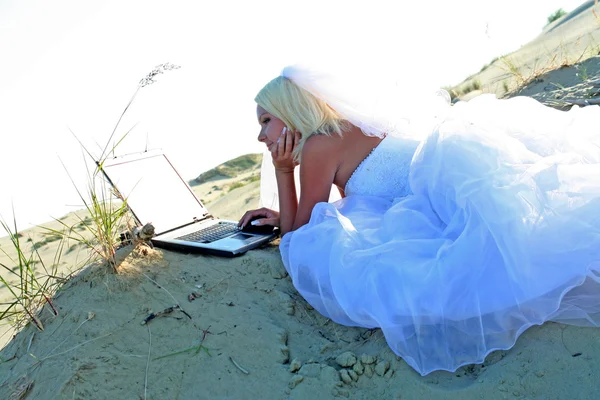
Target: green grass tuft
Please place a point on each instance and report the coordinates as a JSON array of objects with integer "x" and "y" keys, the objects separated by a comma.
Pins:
[
  {"x": 556, "y": 15},
  {"x": 30, "y": 288}
]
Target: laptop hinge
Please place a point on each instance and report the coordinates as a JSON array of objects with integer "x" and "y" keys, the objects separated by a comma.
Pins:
[{"x": 205, "y": 218}]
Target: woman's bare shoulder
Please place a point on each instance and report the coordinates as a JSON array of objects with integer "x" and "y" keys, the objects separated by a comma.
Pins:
[
  {"x": 319, "y": 144},
  {"x": 320, "y": 155}
]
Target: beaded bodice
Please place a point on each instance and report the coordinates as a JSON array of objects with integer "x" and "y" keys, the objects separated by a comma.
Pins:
[{"x": 384, "y": 172}]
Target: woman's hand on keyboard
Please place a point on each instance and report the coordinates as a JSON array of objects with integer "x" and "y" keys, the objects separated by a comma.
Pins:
[{"x": 261, "y": 216}]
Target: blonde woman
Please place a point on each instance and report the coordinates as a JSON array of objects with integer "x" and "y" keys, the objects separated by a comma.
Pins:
[{"x": 459, "y": 227}]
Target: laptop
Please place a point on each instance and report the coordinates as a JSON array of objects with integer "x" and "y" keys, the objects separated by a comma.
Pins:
[{"x": 156, "y": 193}]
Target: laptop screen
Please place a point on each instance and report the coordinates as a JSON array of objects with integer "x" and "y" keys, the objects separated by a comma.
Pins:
[{"x": 155, "y": 192}]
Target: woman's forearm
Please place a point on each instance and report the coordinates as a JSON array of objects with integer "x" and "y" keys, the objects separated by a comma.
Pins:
[{"x": 288, "y": 200}]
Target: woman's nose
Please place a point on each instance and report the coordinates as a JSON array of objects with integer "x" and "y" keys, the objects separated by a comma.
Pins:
[{"x": 261, "y": 137}]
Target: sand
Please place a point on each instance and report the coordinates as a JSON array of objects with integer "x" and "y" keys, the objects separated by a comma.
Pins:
[
  {"x": 98, "y": 347},
  {"x": 237, "y": 328},
  {"x": 565, "y": 41}
]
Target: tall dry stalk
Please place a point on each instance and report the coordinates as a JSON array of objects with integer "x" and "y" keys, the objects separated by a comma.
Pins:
[{"x": 107, "y": 210}]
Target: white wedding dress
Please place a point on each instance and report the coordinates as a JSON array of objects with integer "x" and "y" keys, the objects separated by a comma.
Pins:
[{"x": 455, "y": 244}]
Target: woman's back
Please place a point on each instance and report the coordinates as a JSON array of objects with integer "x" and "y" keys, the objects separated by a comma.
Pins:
[{"x": 384, "y": 172}]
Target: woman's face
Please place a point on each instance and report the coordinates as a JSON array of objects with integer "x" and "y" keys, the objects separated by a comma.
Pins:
[{"x": 270, "y": 127}]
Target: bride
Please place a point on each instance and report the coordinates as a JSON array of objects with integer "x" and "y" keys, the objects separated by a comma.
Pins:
[{"x": 458, "y": 227}]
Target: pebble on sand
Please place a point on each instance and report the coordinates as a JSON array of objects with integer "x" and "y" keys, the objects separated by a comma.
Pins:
[
  {"x": 296, "y": 379},
  {"x": 345, "y": 376},
  {"x": 358, "y": 368},
  {"x": 283, "y": 355},
  {"x": 367, "y": 359},
  {"x": 295, "y": 365},
  {"x": 346, "y": 359},
  {"x": 382, "y": 367},
  {"x": 353, "y": 375}
]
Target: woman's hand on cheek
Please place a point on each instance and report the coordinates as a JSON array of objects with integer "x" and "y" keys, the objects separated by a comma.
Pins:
[{"x": 282, "y": 150}]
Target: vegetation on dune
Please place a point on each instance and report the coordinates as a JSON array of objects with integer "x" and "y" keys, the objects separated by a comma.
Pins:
[
  {"x": 30, "y": 281},
  {"x": 229, "y": 169},
  {"x": 107, "y": 211},
  {"x": 49, "y": 238},
  {"x": 30, "y": 288},
  {"x": 473, "y": 85},
  {"x": 556, "y": 15},
  {"x": 244, "y": 182}
]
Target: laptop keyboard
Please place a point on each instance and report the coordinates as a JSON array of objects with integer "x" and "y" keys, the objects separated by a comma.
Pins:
[{"x": 212, "y": 233}]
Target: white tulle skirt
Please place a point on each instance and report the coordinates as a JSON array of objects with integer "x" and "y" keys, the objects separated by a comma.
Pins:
[{"x": 502, "y": 232}]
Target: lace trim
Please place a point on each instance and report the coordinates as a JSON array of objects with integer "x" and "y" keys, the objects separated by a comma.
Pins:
[{"x": 361, "y": 163}]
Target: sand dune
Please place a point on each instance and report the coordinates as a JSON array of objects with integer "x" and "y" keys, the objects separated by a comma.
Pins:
[
  {"x": 237, "y": 329},
  {"x": 575, "y": 36}
]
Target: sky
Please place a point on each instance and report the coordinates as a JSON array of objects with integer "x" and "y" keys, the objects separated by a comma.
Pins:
[{"x": 71, "y": 67}]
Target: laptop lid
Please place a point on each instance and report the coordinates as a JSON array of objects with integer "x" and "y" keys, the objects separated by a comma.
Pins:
[{"x": 154, "y": 190}]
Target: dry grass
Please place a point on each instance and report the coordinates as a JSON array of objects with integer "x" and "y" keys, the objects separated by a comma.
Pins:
[{"x": 108, "y": 214}]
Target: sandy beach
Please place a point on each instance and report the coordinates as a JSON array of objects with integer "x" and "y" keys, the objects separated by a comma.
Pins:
[{"x": 171, "y": 325}]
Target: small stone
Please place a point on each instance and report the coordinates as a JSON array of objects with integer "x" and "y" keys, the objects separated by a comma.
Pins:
[
  {"x": 286, "y": 302},
  {"x": 516, "y": 394},
  {"x": 342, "y": 393},
  {"x": 367, "y": 359},
  {"x": 346, "y": 359},
  {"x": 353, "y": 375},
  {"x": 311, "y": 370},
  {"x": 539, "y": 374},
  {"x": 329, "y": 374},
  {"x": 382, "y": 367},
  {"x": 368, "y": 370},
  {"x": 284, "y": 355},
  {"x": 345, "y": 376},
  {"x": 282, "y": 336},
  {"x": 296, "y": 379},
  {"x": 358, "y": 368},
  {"x": 295, "y": 365},
  {"x": 389, "y": 374}
]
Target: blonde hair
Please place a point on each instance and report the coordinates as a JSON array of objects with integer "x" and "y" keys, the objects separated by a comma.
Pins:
[{"x": 299, "y": 110}]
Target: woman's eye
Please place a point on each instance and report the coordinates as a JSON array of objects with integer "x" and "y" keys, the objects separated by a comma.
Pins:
[{"x": 266, "y": 120}]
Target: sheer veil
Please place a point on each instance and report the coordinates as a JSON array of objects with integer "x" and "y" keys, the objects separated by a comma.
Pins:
[{"x": 377, "y": 102}]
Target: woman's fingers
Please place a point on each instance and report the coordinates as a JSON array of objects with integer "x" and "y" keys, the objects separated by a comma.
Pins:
[
  {"x": 261, "y": 212},
  {"x": 289, "y": 142},
  {"x": 281, "y": 137},
  {"x": 248, "y": 216},
  {"x": 282, "y": 150},
  {"x": 286, "y": 143},
  {"x": 281, "y": 143},
  {"x": 265, "y": 221}
]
